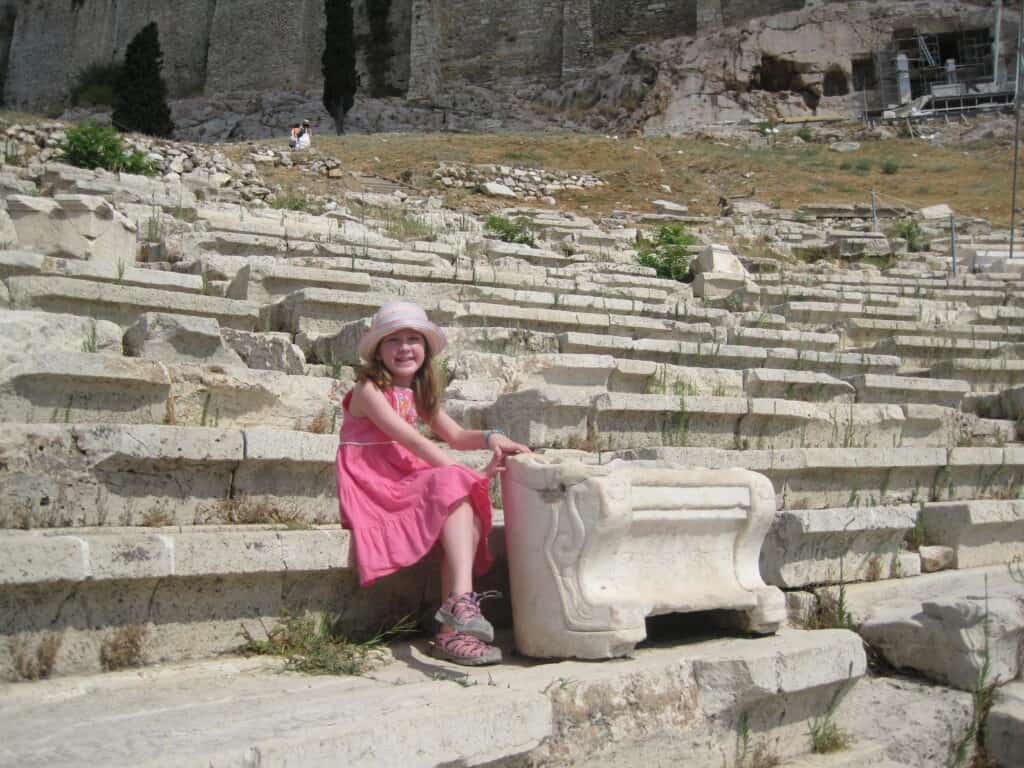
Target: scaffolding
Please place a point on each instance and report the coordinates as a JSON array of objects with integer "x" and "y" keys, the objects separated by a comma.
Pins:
[{"x": 938, "y": 72}]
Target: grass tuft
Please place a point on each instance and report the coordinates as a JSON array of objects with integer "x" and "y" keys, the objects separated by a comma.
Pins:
[
  {"x": 248, "y": 511},
  {"x": 123, "y": 649},
  {"x": 39, "y": 664},
  {"x": 310, "y": 645}
]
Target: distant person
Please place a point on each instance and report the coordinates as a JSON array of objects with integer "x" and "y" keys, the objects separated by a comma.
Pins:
[
  {"x": 400, "y": 494},
  {"x": 293, "y": 136},
  {"x": 305, "y": 136}
]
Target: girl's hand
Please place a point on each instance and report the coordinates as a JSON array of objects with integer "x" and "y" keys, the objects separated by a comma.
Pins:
[
  {"x": 502, "y": 446},
  {"x": 494, "y": 466}
]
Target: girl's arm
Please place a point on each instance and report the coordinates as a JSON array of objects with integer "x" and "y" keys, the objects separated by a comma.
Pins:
[
  {"x": 369, "y": 402},
  {"x": 460, "y": 439}
]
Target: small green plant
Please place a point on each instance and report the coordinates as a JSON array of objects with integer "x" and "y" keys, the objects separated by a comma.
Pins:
[
  {"x": 826, "y": 735},
  {"x": 668, "y": 252},
  {"x": 890, "y": 167},
  {"x": 981, "y": 702},
  {"x": 805, "y": 133},
  {"x": 511, "y": 231},
  {"x": 911, "y": 231},
  {"x": 310, "y": 644},
  {"x": 123, "y": 649},
  {"x": 91, "y": 145},
  {"x": 90, "y": 343},
  {"x": 760, "y": 756},
  {"x": 916, "y": 536},
  {"x": 401, "y": 226},
  {"x": 862, "y": 166}
]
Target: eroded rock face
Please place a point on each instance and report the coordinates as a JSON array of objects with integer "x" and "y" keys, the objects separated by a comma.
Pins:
[{"x": 658, "y": 67}]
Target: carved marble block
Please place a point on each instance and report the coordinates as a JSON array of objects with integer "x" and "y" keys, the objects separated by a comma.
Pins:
[{"x": 595, "y": 549}]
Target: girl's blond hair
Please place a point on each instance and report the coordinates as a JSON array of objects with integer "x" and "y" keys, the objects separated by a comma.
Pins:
[{"x": 425, "y": 387}]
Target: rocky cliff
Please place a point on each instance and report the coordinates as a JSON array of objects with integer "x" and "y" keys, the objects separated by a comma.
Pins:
[{"x": 630, "y": 63}]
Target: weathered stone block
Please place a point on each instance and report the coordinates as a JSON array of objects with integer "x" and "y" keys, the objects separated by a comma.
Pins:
[
  {"x": 178, "y": 338},
  {"x": 593, "y": 550},
  {"x": 977, "y": 532},
  {"x": 77, "y": 226}
]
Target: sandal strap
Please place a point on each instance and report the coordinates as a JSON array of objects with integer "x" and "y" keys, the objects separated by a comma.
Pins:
[{"x": 460, "y": 644}]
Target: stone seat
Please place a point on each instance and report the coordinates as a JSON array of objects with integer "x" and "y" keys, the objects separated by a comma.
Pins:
[
  {"x": 861, "y": 331},
  {"x": 925, "y": 350},
  {"x": 812, "y": 478},
  {"x": 593, "y": 550},
  {"x": 13, "y": 263},
  {"x": 825, "y": 312},
  {"x": 74, "y": 475},
  {"x": 1004, "y": 726},
  {"x": 123, "y": 304},
  {"x": 984, "y": 375},
  {"x": 875, "y": 388},
  {"x": 779, "y": 296},
  {"x": 979, "y": 532},
  {"x": 838, "y": 545},
  {"x": 717, "y": 355},
  {"x": 771, "y": 337},
  {"x": 74, "y": 386}
]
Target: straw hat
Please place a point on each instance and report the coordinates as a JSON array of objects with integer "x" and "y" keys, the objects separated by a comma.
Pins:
[{"x": 394, "y": 316}]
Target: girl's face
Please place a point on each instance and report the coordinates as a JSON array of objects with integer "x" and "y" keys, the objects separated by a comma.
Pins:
[{"x": 403, "y": 353}]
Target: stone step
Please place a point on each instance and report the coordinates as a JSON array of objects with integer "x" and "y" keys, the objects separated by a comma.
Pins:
[
  {"x": 225, "y": 712},
  {"x": 862, "y": 331},
  {"x": 22, "y": 263},
  {"x": 984, "y": 375},
  {"x": 838, "y": 312},
  {"x": 74, "y": 387},
  {"x": 875, "y": 388},
  {"x": 942, "y": 625},
  {"x": 796, "y": 385},
  {"x": 123, "y": 304},
  {"x": 979, "y": 533},
  {"x": 838, "y": 545},
  {"x": 926, "y": 351},
  {"x": 1004, "y": 726},
  {"x": 62, "y": 475},
  {"x": 713, "y": 354},
  {"x": 562, "y": 416},
  {"x": 786, "y": 294},
  {"x": 195, "y": 588},
  {"x": 771, "y": 337},
  {"x": 812, "y": 478},
  {"x": 861, "y": 755}
]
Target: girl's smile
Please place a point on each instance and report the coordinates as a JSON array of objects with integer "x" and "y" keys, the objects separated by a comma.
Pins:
[{"x": 402, "y": 353}]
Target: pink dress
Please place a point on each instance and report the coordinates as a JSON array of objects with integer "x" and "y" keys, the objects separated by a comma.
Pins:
[{"x": 394, "y": 502}]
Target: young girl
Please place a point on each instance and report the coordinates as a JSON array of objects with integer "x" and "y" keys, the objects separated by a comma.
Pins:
[{"x": 400, "y": 494}]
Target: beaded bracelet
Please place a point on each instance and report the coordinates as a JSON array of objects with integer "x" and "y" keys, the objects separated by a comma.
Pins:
[{"x": 488, "y": 433}]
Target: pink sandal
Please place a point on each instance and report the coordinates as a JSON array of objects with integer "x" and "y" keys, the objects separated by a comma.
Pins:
[
  {"x": 462, "y": 612},
  {"x": 464, "y": 649}
]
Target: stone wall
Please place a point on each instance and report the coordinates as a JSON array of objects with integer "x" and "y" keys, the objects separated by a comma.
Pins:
[{"x": 619, "y": 24}]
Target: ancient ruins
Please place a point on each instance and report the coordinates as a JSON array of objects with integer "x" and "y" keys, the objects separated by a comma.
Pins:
[{"x": 743, "y": 483}]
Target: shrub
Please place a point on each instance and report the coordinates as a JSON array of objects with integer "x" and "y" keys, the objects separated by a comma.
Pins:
[
  {"x": 890, "y": 167},
  {"x": 911, "y": 231},
  {"x": 509, "y": 231},
  {"x": 805, "y": 133},
  {"x": 141, "y": 91},
  {"x": 91, "y": 145},
  {"x": 667, "y": 253},
  {"x": 96, "y": 86}
]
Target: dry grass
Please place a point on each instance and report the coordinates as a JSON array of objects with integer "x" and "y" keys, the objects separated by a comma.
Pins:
[
  {"x": 323, "y": 423},
  {"x": 248, "y": 511},
  {"x": 157, "y": 518},
  {"x": 123, "y": 649},
  {"x": 972, "y": 178},
  {"x": 37, "y": 664}
]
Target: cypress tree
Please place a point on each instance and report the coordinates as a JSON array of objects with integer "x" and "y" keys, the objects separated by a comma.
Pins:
[
  {"x": 339, "y": 61},
  {"x": 141, "y": 92}
]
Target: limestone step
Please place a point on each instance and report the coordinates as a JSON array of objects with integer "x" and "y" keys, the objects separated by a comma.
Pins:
[
  {"x": 26, "y": 263},
  {"x": 232, "y": 711},
  {"x": 122, "y": 304},
  {"x": 195, "y": 588},
  {"x": 984, "y": 375},
  {"x": 837, "y": 312},
  {"x": 925, "y": 351},
  {"x": 786, "y": 295},
  {"x": 837, "y": 545},
  {"x": 980, "y": 533},
  {"x": 859, "y": 756},
  {"x": 563, "y": 416},
  {"x": 875, "y": 388},
  {"x": 63, "y": 475},
  {"x": 72, "y": 387},
  {"x": 812, "y": 478},
  {"x": 1004, "y": 726},
  {"x": 940, "y": 624},
  {"x": 862, "y": 331},
  {"x": 772, "y": 337}
]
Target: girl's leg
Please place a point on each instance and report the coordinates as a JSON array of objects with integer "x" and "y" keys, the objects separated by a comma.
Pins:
[{"x": 459, "y": 539}]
